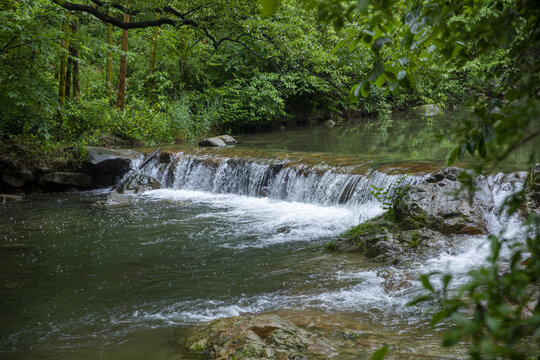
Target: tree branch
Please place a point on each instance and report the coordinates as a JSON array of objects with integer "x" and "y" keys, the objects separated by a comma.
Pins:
[{"x": 119, "y": 23}]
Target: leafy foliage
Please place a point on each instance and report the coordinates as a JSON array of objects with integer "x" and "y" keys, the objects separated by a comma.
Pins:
[{"x": 498, "y": 308}]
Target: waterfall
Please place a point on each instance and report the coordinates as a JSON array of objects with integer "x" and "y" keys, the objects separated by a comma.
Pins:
[{"x": 280, "y": 180}]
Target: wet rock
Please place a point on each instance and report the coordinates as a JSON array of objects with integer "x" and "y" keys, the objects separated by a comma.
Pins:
[
  {"x": 384, "y": 239},
  {"x": 5, "y": 198},
  {"x": 214, "y": 142},
  {"x": 14, "y": 173},
  {"x": 423, "y": 219},
  {"x": 228, "y": 139},
  {"x": 13, "y": 180},
  {"x": 62, "y": 180},
  {"x": 329, "y": 123},
  {"x": 137, "y": 184},
  {"x": 439, "y": 203},
  {"x": 256, "y": 337},
  {"x": 109, "y": 165}
]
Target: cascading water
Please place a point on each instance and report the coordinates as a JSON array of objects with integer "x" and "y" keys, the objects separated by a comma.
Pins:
[
  {"x": 224, "y": 236},
  {"x": 320, "y": 202},
  {"x": 272, "y": 179}
]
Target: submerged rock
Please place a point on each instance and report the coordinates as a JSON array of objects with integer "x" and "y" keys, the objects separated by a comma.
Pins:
[
  {"x": 137, "y": 184},
  {"x": 256, "y": 337},
  {"x": 65, "y": 180},
  {"x": 115, "y": 199}
]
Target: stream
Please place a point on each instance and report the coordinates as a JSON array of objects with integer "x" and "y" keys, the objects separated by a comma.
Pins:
[{"x": 233, "y": 231}]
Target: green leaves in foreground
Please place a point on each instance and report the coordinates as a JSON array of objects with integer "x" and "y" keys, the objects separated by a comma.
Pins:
[
  {"x": 498, "y": 309},
  {"x": 380, "y": 354}
]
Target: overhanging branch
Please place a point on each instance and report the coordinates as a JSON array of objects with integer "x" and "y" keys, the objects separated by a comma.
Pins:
[{"x": 119, "y": 23}]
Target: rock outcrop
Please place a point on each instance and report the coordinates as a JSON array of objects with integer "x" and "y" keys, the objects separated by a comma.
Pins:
[
  {"x": 256, "y": 337},
  {"x": 108, "y": 165},
  {"x": 421, "y": 220},
  {"x": 101, "y": 168},
  {"x": 440, "y": 204}
]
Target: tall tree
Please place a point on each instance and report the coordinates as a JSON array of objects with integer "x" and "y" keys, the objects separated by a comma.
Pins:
[
  {"x": 153, "y": 53},
  {"x": 108, "y": 71},
  {"x": 74, "y": 52},
  {"x": 64, "y": 59},
  {"x": 123, "y": 66}
]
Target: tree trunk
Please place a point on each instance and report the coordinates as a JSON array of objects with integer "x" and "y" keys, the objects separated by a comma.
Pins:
[
  {"x": 68, "y": 73},
  {"x": 154, "y": 48},
  {"x": 108, "y": 71},
  {"x": 123, "y": 66},
  {"x": 75, "y": 56},
  {"x": 64, "y": 60}
]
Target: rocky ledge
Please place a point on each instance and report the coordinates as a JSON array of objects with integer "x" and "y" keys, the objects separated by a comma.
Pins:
[
  {"x": 425, "y": 217},
  {"x": 102, "y": 167},
  {"x": 257, "y": 337}
]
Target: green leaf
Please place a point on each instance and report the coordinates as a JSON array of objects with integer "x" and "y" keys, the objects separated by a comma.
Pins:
[
  {"x": 355, "y": 91},
  {"x": 268, "y": 7},
  {"x": 401, "y": 74},
  {"x": 364, "y": 90},
  {"x": 438, "y": 317},
  {"x": 425, "y": 282},
  {"x": 380, "y": 354}
]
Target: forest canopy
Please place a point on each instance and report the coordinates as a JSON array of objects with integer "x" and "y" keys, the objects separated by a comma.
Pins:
[{"x": 92, "y": 72}]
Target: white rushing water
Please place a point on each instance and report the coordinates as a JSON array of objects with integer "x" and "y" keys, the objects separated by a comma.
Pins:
[{"x": 272, "y": 203}]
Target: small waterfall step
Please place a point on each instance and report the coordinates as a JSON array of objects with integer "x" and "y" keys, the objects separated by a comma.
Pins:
[{"x": 273, "y": 178}]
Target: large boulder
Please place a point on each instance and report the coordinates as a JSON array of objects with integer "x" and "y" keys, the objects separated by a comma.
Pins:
[
  {"x": 256, "y": 337},
  {"x": 14, "y": 173},
  {"x": 109, "y": 165},
  {"x": 65, "y": 180},
  {"x": 440, "y": 203},
  {"x": 423, "y": 219},
  {"x": 137, "y": 184}
]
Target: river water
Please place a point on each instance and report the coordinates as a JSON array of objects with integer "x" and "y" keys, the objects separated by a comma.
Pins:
[{"x": 234, "y": 231}]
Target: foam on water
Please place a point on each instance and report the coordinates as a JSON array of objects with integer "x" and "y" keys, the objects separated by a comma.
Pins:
[{"x": 271, "y": 221}]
